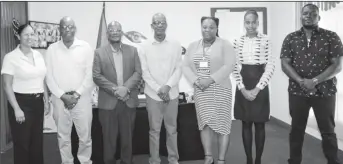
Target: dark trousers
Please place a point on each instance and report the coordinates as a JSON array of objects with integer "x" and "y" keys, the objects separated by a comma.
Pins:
[
  {"x": 324, "y": 110},
  {"x": 115, "y": 123},
  {"x": 28, "y": 136}
]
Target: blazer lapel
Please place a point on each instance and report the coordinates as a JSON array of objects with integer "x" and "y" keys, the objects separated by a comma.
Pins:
[{"x": 110, "y": 57}]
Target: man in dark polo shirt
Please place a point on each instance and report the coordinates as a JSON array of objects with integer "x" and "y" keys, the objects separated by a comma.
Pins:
[{"x": 311, "y": 57}]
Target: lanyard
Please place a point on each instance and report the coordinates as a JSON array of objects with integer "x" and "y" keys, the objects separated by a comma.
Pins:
[{"x": 203, "y": 48}]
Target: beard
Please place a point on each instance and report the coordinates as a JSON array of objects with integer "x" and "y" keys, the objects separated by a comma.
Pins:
[
  {"x": 310, "y": 27},
  {"x": 114, "y": 41}
]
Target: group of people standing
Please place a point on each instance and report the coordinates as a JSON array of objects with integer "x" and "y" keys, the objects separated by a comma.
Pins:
[{"x": 311, "y": 57}]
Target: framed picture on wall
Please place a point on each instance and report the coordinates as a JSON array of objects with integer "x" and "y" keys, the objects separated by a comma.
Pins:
[
  {"x": 45, "y": 34},
  {"x": 231, "y": 21}
]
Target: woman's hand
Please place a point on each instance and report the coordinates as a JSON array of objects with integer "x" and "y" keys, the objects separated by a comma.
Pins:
[
  {"x": 205, "y": 83},
  {"x": 19, "y": 116},
  {"x": 197, "y": 84},
  {"x": 248, "y": 94},
  {"x": 47, "y": 108}
]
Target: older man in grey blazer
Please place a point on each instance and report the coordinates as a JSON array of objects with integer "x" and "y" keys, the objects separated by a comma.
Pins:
[{"x": 117, "y": 72}]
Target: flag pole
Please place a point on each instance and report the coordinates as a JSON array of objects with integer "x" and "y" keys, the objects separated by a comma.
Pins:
[{"x": 103, "y": 9}]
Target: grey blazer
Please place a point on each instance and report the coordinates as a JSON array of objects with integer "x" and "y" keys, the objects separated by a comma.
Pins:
[{"x": 104, "y": 75}]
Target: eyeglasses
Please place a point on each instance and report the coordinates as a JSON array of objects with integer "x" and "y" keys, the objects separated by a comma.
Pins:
[
  {"x": 69, "y": 27},
  {"x": 156, "y": 23},
  {"x": 114, "y": 31}
]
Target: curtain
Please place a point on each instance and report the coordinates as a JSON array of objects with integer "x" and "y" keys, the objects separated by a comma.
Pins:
[
  {"x": 322, "y": 5},
  {"x": 9, "y": 10}
]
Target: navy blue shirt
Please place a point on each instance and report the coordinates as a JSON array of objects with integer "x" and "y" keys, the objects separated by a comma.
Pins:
[{"x": 309, "y": 59}]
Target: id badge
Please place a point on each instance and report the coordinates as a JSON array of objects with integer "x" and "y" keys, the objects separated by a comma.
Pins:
[{"x": 203, "y": 64}]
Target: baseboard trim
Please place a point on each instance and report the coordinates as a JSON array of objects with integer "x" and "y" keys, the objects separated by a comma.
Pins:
[{"x": 287, "y": 126}]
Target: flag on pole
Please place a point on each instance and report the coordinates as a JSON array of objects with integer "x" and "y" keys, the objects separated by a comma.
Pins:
[
  {"x": 102, "y": 38},
  {"x": 102, "y": 41}
]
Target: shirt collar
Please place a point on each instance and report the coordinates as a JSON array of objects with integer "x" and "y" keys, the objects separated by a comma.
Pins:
[
  {"x": 259, "y": 35},
  {"x": 76, "y": 42},
  {"x": 115, "y": 51},
  {"x": 315, "y": 30},
  {"x": 154, "y": 41},
  {"x": 19, "y": 51}
]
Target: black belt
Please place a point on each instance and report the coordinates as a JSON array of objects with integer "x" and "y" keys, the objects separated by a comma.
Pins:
[{"x": 33, "y": 95}]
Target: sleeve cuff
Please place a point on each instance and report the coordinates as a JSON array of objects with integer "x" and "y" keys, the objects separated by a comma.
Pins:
[
  {"x": 240, "y": 86},
  {"x": 79, "y": 91},
  {"x": 260, "y": 86},
  {"x": 169, "y": 84},
  {"x": 7, "y": 72},
  {"x": 59, "y": 94}
]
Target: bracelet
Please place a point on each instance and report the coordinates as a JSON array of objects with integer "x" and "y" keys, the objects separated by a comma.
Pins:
[{"x": 315, "y": 81}]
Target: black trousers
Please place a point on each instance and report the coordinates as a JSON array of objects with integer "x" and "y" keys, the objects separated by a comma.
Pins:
[
  {"x": 28, "y": 136},
  {"x": 324, "y": 111},
  {"x": 115, "y": 123}
]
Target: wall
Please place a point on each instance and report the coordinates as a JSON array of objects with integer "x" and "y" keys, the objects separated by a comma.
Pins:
[
  {"x": 283, "y": 15},
  {"x": 183, "y": 17},
  {"x": 183, "y": 24}
]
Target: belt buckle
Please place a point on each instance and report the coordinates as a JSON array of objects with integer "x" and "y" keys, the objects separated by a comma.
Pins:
[{"x": 37, "y": 95}]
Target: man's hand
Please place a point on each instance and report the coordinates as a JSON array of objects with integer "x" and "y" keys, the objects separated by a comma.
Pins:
[
  {"x": 205, "y": 83},
  {"x": 163, "y": 93},
  {"x": 76, "y": 95},
  {"x": 309, "y": 84},
  {"x": 69, "y": 101},
  {"x": 121, "y": 91},
  {"x": 127, "y": 97},
  {"x": 165, "y": 98},
  {"x": 248, "y": 94},
  {"x": 164, "y": 89}
]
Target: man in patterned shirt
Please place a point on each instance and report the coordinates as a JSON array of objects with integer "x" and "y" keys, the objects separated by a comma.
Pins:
[{"x": 311, "y": 57}]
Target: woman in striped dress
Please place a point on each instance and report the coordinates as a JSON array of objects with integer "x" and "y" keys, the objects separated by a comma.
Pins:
[
  {"x": 207, "y": 65},
  {"x": 253, "y": 71}
]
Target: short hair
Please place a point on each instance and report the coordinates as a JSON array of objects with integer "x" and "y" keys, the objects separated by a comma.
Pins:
[
  {"x": 254, "y": 12},
  {"x": 311, "y": 5},
  {"x": 216, "y": 21}
]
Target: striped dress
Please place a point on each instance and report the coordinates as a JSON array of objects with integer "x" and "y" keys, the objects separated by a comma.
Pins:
[{"x": 213, "y": 105}]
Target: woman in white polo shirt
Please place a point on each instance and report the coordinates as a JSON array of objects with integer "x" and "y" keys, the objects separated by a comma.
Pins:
[{"x": 23, "y": 71}]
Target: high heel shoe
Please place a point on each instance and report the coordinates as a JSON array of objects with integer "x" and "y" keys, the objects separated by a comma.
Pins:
[{"x": 209, "y": 156}]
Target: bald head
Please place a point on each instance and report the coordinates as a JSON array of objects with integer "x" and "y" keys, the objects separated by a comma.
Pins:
[
  {"x": 159, "y": 17},
  {"x": 115, "y": 25},
  {"x": 67, "y": 29},
  {"x": 66, "y": 20},
  {"x": 114, "y": 32},
  {"x": 159, "y": 24}
]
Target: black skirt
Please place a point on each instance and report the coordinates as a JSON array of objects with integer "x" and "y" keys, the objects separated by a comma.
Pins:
[{"x": 258, "y": 109}]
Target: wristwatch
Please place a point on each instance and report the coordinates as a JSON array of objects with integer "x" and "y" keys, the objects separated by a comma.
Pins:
[
  {"x": 315, "y": 81},
  {"x": 77, "y": 95}
]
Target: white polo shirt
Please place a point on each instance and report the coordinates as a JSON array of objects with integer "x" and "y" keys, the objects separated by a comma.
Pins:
[{"x": 27, "y": 78}]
